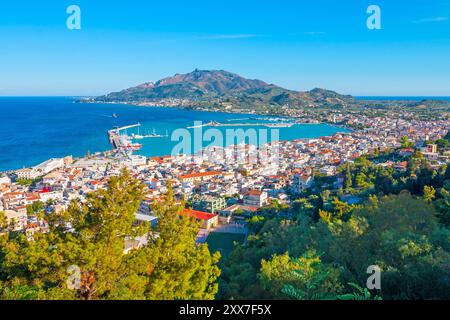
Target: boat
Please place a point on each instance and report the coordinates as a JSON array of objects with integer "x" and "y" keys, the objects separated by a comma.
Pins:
[
  {"x": 137, "y": 136},
  {"x": 279, "y": 125},
  {"x": 151, "y": 135},
  {"x": 114, "y": 115}
]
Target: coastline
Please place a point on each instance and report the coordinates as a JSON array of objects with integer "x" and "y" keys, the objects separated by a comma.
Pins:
[
  {"x": 233, "y": 111},
  {"x": 24, "y": 163}
]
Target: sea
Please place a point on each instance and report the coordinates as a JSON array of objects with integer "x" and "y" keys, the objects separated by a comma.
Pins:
[
  {"x": 402, "y": 98},
  {"x": 35, "y": 129}
]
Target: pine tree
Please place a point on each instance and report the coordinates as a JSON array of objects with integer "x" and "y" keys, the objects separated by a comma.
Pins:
[
  {"x": 94, "y": 247},
  {"x": 348, "y": 178},
  {"x": 83, "y": 257},
  {"x": 182, "y": 269}
]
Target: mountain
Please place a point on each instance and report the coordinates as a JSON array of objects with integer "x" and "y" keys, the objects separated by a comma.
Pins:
[{"x": 222, "y": 89}]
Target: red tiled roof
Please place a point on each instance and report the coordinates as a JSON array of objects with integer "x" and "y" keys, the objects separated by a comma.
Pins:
[
  {"x": 161, "y": 159},
  {"x": 200, "y": 174},
  {"x": 33, "y": 197},
  {"x": 254, "y": 193},
  {"x": 198, "y": 214}
]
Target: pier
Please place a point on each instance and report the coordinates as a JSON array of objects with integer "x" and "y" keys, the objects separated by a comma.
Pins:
[{"x": 122, "y": 142}]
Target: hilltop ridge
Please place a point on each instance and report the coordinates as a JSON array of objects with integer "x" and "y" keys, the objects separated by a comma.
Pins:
[{"x": 222, "y": 89}]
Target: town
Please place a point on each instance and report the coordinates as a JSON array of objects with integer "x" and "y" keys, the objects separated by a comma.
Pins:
[{"x": 220, "y": 194}]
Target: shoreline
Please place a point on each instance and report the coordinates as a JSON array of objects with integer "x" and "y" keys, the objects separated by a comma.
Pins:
[
  {"x": 190, "y": 108},
  {"x": 234, "y": 111},
  {"x": 9, "y": 171}
]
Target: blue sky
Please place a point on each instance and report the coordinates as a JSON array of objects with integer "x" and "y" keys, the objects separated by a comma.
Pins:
[{"x": 297, "y": 44}]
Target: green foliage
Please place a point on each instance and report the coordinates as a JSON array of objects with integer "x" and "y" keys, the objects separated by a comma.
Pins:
[
  {"x": 443, "y": 205},
  {"x": 304, "y": 278},
  {"x": 358, "y": 294},
  {"x": 400, "y": 234},
  {"x": 27, "y": 182},
  {"x": 180, "y": 268},
  {"x": 447, "y": 136},
  {"x": 402, "y": 227},
  {"x": 171, "y": 266},
  {"x": 429, "y": 193},
  {"x": 442, "y": 144},
  {"x": 35, "y": 208},
  {"x": 406, "y": 143},
  {"x": 348, "y": 183},
  {"x": 96, "y": 246},
  {"x": 255, "y": 223}
]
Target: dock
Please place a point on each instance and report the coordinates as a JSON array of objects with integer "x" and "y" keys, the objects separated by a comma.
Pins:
[{"x": 122, "y": 142}]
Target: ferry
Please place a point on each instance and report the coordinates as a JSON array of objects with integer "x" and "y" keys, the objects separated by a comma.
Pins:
[{"x": 126, "y": 144}]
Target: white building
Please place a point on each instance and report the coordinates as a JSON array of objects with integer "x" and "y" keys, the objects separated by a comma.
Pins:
[
  {"x": 27, "y": 173},
  {"x": 49, "y": 165},
  {"x": 5, "y": 180},
  {"x": 301, "y": 182},
  {"x": 137, "y": 160},
  {"x": 255, "y": 198}
]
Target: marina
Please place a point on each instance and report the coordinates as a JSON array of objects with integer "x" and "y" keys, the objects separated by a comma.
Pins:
[
  {"x": 120, "y": 140},
  {"x": 139, "y": 136},
  {"x": 91, "y": 127},
  {"x": 123, "y": 142}
]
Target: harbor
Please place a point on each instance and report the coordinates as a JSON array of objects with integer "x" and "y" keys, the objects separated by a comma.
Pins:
[
  {"x": 123, "y": 142},
  {"x": 120, "y": 140},
  {"x": 85, "y": 127}
]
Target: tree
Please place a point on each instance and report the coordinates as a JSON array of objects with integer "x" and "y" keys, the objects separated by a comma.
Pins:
[
  {"x": 447, "y": 173},
  {"x": 357, "y": 294},
  {"x": 361, "y": 180},
  {"x": 325, "y": 195},
  {"x": 304, "y": 278},
  {"x": 384, "y": 182},
  {"x": 405, "y": 143},
  {"x": 181, "y": 269},
  {"x": 400, "y": 235},
  {"x": 341, "y": 208},
  {"x": 447, "y": 136},
  {"x": 83, "y": 255},
  {"x": 2, "y": 220},
  {"x": 348, "y": 178},
  {"x": 443, "y": 205},
  {"x": 429, "y": 193},
  {"x": 442, "y": 143},
  {"x": 94, "y": 246},
  {"x": 35, "y": 208},
  {"x": 255, "y": 223}
]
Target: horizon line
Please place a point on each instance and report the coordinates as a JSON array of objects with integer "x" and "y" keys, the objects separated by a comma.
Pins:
[{"x": 353, "y": 95}]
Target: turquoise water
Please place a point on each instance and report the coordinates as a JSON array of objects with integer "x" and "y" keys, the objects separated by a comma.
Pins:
[{"x": 34, "y": 129}]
